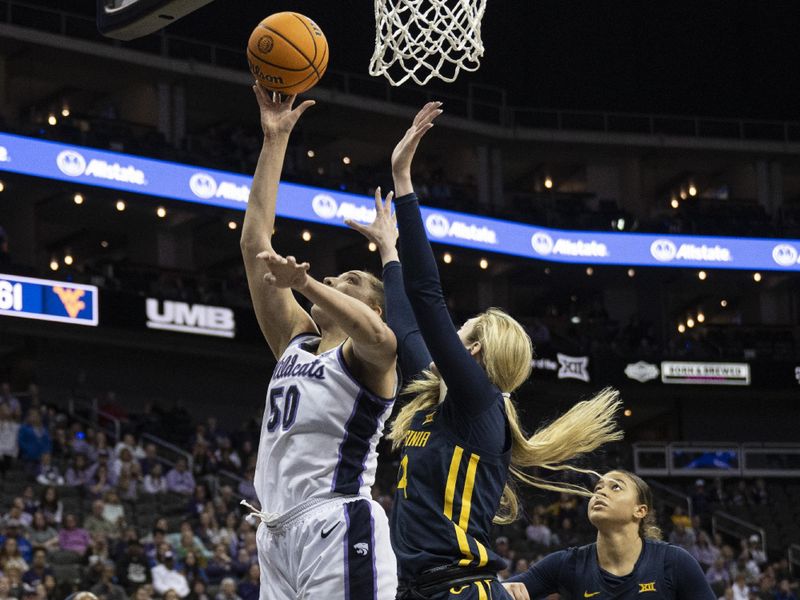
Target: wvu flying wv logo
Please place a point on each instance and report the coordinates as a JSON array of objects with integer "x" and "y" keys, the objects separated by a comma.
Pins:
[
  {"x": 647, "y": 587},
  {"x": 71, "y": 299}
]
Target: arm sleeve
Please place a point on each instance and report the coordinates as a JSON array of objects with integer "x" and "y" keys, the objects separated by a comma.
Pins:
[
  {"x": 541, "y": 579},
  {"x": 411, "y": 350},
  {"x": 465, "y": 378},
  {"x": 688, "y": 580}
]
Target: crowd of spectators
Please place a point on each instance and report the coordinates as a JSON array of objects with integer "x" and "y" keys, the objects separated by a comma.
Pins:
[{"x": 78, "y": 510}]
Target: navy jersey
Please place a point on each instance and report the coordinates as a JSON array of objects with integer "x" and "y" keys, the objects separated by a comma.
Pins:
[
  {"x": 663, "y": 571},
  {"x": 447, "y": 494},
  {"x": 455, "y": 455}
]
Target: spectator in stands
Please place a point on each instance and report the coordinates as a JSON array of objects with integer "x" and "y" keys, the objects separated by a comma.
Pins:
[
  {"x": 79, "y": 473},
  {"x": 113, "y": 511},
  {"x": 227, "y": 590},
  {"x": 185, "y": 541},
  {"x": 192, "y": 569},
  {"x": 48, "y": 473},
  {"x": 150, "y": 459},
  {"x": 102, "y": 450},
  {"x": 699, "y": 498},
  {"x": 198, "y": 501},
  {"x": 717, "y": 574},
  {"x": 199, "y": 591},
  {"x": 15, "y": 584},
  {"x": 42, "y": 534},
  {"x": 17, "y": 513},
  {"x": 127, "y": 487},
  {"x": 96, "y": 522},
  {"x": 207, "y": 529},
  {"x": 10, "y": 400},
  {"x": 14, "y": 532},
  {"x": 746, "y": 566},
  {"x": 220, "y": 565},
  {"x": 100, "y": 481},
  {"x": 132, "y": 568},
  {"x": 180, "y": 479},
  {"x": 785, "y": 591},
  {"x": 227, "y": 458},
  {"x": 682, "y": 536},
  {"x": 248, "y": 588},
  {"x": 167, "y": 577},
  {"x": 129, "y": 443},
  {"x": 9, "y": 439},
  {"x": 72, "y": 537},
  {"x": 106, "y": 588},
  {"x": 757, "y": 554},
  {"x": 759, "y": 492},
  {"x": 39, "y": 569},
  {"x": 154, "y": 481},
  {"x": 204, "y": 463},
  {"x": 717, "y": 496},
  {"x": 703, "y": 551},
  {"x": 34, "y": 439},
  {"x": 741, "y": 496},
  {"x": 124, "y": 459},
  {"x": 740, "y": 589},
  {"x": 143, "y": 592},
  {"x": 10, "y": 556},
  {"x": 51, "y": 506},
  {"x": 246, "y": 487},
  {"x": 99, "y": 553}
]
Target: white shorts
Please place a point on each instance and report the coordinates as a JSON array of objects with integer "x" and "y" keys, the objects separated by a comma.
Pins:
[{"x": 328, "y": 550}]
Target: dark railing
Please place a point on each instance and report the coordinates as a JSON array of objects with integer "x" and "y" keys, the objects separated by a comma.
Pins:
[{"x": 483, "y": 104}]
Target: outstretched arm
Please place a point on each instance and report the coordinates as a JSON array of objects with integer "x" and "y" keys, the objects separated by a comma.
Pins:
[
  {"x": 279, "y": 315},
  {"x": 411, "y": 351},
  {"x": 461, "y": 372}
]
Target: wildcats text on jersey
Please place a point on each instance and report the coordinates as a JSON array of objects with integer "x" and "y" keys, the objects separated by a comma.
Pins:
[{"x": 288, "y": 367}]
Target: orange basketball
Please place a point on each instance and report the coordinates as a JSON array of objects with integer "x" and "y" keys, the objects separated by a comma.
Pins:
[{"x": 288, "y": 53}]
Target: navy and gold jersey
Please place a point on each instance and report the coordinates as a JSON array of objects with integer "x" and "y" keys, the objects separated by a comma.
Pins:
[
  {"x": 662, "y": 572},
  {"x": 447, "y": 494}
]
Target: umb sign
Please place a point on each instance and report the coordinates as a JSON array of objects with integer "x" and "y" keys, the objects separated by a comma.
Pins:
[
  {"x": 199, "y": 319},
  {"x": 703, "y": 373}
]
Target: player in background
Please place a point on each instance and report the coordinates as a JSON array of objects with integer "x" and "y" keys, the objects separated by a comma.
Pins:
[
  {"x": 460, "y": 434},
  {"x": 627, "y": 561},
  {"x": 333, "y": 388}
]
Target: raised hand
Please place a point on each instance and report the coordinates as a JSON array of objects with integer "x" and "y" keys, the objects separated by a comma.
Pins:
[
  {"x": 277, "y": 116},
  {"x": 403, "y": 153},
  {"x": 284, "y": 272},
  {"x": 383, "y": 230}
]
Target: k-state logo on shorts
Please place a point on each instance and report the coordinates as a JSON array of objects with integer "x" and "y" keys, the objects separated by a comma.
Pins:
[
  {"x": 362, "y": 549},
  {"x": 203, "y": 185},
  {"x": 663, "y": 250},
  {"x": 324, "y": 206},
  {"x": 542, "y": 243},
  {"x": 437, "y": 225},
  {"x": 785, "y": 255},
  {"x": 71, "y": 163}
]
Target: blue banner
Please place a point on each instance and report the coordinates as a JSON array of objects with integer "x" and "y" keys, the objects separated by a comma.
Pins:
[
  {"x": 230, "y": 190},
  {"x": 47, "y": 300}
]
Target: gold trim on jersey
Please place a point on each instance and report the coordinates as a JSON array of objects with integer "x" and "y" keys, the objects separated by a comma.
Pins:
[{"x": 462, "y": 525}]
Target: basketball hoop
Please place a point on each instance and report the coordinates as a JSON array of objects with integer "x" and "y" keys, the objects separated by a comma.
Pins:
[{"x": 423, "y": 39}]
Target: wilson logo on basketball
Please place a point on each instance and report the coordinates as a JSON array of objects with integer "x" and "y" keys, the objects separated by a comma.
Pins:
[{"x": 266, "y": 43}]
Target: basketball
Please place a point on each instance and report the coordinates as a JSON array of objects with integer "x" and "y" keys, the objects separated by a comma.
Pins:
[{"x": 288, "y": 53}]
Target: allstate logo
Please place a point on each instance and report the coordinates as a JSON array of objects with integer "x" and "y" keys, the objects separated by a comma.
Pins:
[
  {"x": 71, "y": 163},
  {"x": 203, "y": 185},
  {"x": 784, "y": 254},
  {"x": 542, "y": 243},
  {"x": 324, "y": 206},
  {"x": 663, "y": 250},
  {"x": 437, "y": 225}
]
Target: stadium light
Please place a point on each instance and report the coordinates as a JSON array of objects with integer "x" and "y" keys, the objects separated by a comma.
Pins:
[
  {"x": 447, "y": 258},
  {"x": 120, "y": 205},
  {"x": 2, "y": 186},
  {"x": 161, "y": 212},
  {"x": 311, "y": 154},
  {"x": 53, "y": 264},
  {"x": 631, "y": 273},
  {"x": 68, "y": 260},
  {"x": 547, "y": 270},
  {"x": 51, "y": 119},
  {"x": 484, "y": 264},
  {"x": 683, "y": 194},
  {"x": 628, "y": 412},
  {"x": 690, "y": 322},
  {"x": 346, "y": 160},
  {"x": 232, "y": 225},
  {"x": 681, "y": 328},
  {"x": 702, "y": 275},
  {"x": 78, "y": 199},
  {"x": 701, "y": 317},
  {"x": 589, "y": 271},
  {"x": 674, "y": 202},
  {"x": 723, "y": 303},
  {"x": 548, "y": 183},
  {"x": 65, "y": 111},
  {"x": 692, "y": 190},
  {"x": 104, "y": 244},
  {"x": 372, "y": 246},
  {"x": 306, "y": 235},
  {"x": 756, "y": 277}
]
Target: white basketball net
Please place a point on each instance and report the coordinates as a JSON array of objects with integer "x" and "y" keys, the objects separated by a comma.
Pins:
[{"x": 423, "y": 39}]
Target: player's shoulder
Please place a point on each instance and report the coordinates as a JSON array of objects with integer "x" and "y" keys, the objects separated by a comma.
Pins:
[{"x": 670, "y": 551}]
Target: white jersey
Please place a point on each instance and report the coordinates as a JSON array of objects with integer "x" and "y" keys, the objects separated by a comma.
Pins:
[{"x": 319, "y": 432}]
